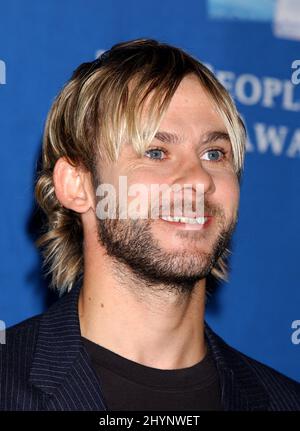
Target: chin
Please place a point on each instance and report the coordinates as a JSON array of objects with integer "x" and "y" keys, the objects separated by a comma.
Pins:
[{"x": 183, "y": 241}]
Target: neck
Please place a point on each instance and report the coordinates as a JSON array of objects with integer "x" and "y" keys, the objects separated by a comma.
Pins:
[{"x": 152, "y": 325}]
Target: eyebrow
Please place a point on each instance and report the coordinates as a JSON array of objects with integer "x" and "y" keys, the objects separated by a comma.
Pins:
[{"x": 173, "y": 138}]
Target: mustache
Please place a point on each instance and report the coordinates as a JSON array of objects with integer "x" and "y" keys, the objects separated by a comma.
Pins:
[{"x": 179, "y": 208}]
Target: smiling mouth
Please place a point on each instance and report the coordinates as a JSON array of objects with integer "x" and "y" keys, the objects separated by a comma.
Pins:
[
  {"x": 186, "y": 220},
  {"x": 188, "y": 223}
]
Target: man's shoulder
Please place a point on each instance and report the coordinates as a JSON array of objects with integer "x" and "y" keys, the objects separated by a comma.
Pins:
[
  {"x": 37, "y": 354},
  {"x": 16, "y": 357},
  {"x": 261, "y": 384},
  {"x": 23, "y": 338},
  {"x": 27, "y": 330},
  {"x": 264, "y": 371},
  {"x": 25, "y": 325},
  {"x": 20, "y": 338},
  {"x": 280, "y": 388}
]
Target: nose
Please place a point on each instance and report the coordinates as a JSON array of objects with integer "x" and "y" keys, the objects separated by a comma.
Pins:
[{"x": 194, "y": 173}]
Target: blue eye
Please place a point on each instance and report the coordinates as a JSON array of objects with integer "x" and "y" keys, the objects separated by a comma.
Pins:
[
  {"x": 215, "y": 152},
  {"x": 155, "y": 153}
]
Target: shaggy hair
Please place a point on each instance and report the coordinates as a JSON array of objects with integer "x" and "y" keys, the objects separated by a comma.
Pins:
[{"x": 96, "y": 112}]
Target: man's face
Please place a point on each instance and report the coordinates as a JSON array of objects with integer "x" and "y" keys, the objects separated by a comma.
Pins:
[{"x": 166, "y": 252}]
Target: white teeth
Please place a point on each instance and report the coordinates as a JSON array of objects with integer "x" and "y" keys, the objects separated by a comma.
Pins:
[{"x": 198, "y": 220}]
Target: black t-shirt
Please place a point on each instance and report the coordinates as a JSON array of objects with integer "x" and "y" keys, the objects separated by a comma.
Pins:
[{"x": 130, "y": 386}]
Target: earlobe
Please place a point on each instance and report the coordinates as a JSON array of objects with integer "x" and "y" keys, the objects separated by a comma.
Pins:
[{"x": 69, "y": 184}]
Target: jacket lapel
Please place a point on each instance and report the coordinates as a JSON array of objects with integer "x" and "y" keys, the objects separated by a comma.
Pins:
[
  {"x": 61, "y": 368},
  {"x": 241, "y": 390}
]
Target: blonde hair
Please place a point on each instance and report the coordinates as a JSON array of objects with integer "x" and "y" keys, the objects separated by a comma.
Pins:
[{"x": 98, "y": 110}]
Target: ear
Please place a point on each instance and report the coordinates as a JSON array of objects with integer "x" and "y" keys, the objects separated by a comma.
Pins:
[{"x": 72, "y": 186}]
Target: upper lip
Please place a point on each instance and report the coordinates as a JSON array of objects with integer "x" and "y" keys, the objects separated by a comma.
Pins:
[{"x": 193, "y": 216}]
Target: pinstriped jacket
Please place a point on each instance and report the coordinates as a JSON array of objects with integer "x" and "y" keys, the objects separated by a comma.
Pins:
[{"x": 44, "y": 366}]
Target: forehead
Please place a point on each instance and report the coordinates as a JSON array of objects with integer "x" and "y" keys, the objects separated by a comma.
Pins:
[{"x": 192, "y": 104}]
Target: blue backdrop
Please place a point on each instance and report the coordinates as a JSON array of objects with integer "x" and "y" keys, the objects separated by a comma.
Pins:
[{"x": 253, "y": 47}]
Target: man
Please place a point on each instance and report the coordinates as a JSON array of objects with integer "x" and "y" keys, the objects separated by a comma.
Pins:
[{"x": 129, "y": 332}]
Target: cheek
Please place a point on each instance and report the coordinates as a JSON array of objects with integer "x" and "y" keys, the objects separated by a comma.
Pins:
[
  {"x": 228, "y": 194},
  {"x": 143, "y": 175}
]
